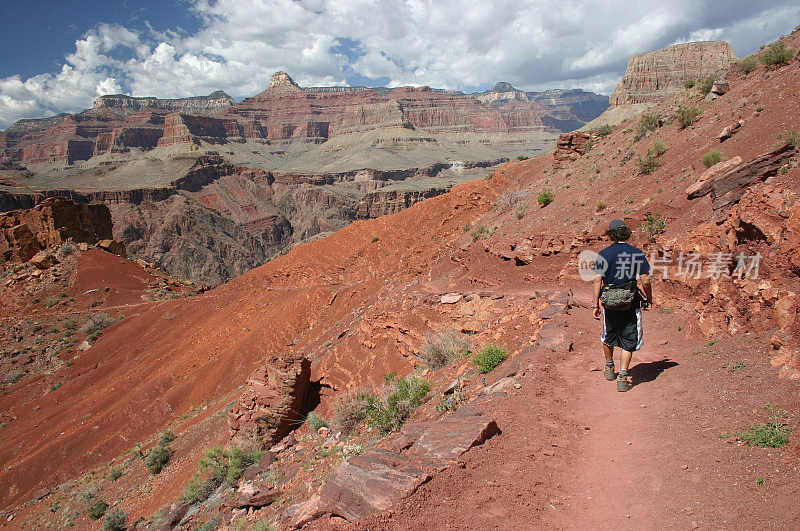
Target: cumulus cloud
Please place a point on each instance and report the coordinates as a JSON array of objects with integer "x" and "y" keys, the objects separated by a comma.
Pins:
[{"x": 456, "y": 44}]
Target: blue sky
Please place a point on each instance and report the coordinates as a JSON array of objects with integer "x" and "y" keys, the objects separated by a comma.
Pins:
[{"x": 58, "y": 56}]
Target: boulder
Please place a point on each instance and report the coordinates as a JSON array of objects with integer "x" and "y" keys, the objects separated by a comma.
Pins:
[
  {"x": 44, "y": 260},
  {"x": 730, "y": 131},
  {"x": 360, "y": 486},
  {"x": 444, "y": 440},
  {"x": 703, "y": 185},
  {"x": 451, "y": 298},
  {"x": 720, "y": 87},
  {"x": 499, "y": 386},
  {"x": 257, "y": 499},
  {"x": 175, "y": 514},
  {"x": 728, "y": 188},
  {"x": 113, "y": 246}
]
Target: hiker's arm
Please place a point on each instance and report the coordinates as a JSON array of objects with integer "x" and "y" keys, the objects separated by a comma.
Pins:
[
  {"x": 647, "y": 287},
  {"x": 598, "y": 285}
]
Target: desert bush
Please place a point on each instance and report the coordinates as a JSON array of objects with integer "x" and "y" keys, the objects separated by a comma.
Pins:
[
  {"x": 96, "y": 509},
  {"x": 712, "y": 157},
  {"x": 397, "y": 400},
  {"x": 689, "y": 83},
  {"x": 647, "y": 123},
  {"x": 158, "y": 458},
  {"x": 350, "y": 409},
  {"x": 490, "y": 357},
  {"x": 686, "y": 116},
  {"x": 522, "y": 157},
  {"x": 602, "y": 130},
  {"x": 778, "y": 54},
  {"x": 747, "y": 65},
  {"x": 443, "y": 348},
  {"x": 97, "y": 322},
  {"x": 166, "y": 437},
  {"x": 653, "y": 224},
  {"x": 511, "y": 198},
  {"x": 704, "y": 86},
  {"x": 647, "y": 164},
  {"x": 772, "y": 434},
  {"x": 600, "y": 206},
  {"x": 211, "y": 525},
  {"x": 316, "y": 422},
  {"x": 659, "y": 148},
  {"x": 115, "y": 473},
  {"x": 228, "y": 464},
  {"x": 792, "y": 137},
  {"x": 67, "y": 249},
  {"x": 199, "y": 488},
  {"x": 545, "y": 198},
  {"x": 115, "y": 521}
]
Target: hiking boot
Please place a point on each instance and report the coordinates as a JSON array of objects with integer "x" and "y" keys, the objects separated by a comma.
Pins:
[
  {"x": 609, "y": 372},
  {"x": 623, "y": 385}
]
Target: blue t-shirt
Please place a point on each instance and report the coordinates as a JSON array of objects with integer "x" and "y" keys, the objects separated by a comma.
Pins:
[{"x": 621, "y": 262}]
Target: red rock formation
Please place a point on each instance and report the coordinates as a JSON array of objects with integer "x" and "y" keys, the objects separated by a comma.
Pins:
[
  {"x": 570, "y": 146},
  {"x": 656, "y": 76},
  {"x": 55, "y": 221}
]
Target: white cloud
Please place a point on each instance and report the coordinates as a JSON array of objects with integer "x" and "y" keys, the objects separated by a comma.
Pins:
[{"x": 458, "y": 44}]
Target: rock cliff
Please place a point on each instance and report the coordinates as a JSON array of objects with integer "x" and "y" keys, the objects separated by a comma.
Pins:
[{"x": 656, "y": 76}]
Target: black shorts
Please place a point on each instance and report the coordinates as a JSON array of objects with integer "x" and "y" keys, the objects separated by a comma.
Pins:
[{"x": 623, "y": 329}]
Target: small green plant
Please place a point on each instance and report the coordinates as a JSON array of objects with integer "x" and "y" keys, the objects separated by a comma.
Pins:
[
  {"x": 451, "y": 401},
  {"x": 704, "y": 86},
  {"x": 665, "y": 310},
  {"x": 647, "y": 164},
  {"x": 490, "y": 357},
  {"x": 659, "y": 147},
  {"x": 733, "y": 367},
  {"x": 481, "y": 232},
  {"x": 602, "y": 130},
  {"x": 211, "y": 525},
  {"x": 228, "y": 464},
  {"x": 115, "y": 521},
  {"x": 772, "y": 434},
  {"x": 545, "y": 198},
  {"x": 686, "y": 116},
  {"x": 600, "y": 206},
  {"x": 689, "y": 83},
  {"x": 759, "y": 481},
  {"x": 55, "y": 386},
  {"x": 263, "y": 525},
  {"x": 198, "y": 489},
  {"x": 158, "y": 458},
  {"x": 374, "y": 239},
  {"x": 398, "y": 399},
  {"x": 96, "y": 509},
  {"x": 522, "y": 157},
  {"x": 316, "y": 421},
  {"x": 759, "y": 108},
  {"x": 747, "y": 65},
  {"x": 443, "y": 348},
  {"x": 166, "y": 437},
  {"x": 778, "y": 54},
  {"x": 792, "y": 137},
  {"x": 713, "y": 157},
  {"x": 647, "y": 123},
  {"x": 653, "y": 224},
  {"x": 350, "y": 410},
  {"x": 115, "y": 473}
]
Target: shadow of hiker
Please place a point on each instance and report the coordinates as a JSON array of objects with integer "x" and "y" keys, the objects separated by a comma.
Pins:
[{"x": 647, "y": 372}]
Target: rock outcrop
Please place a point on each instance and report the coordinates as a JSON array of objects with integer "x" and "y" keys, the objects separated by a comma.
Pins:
[
  {"x": 272, "y": 402},
  {"x": 570, "y": 146},
  {"x": 656, "y": 76},
  {"x": 23, "y": 233}
]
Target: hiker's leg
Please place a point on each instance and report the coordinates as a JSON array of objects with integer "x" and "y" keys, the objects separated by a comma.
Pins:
[
  {"x": 608, "y": 352},
  {"x": 626, "y": 360}
]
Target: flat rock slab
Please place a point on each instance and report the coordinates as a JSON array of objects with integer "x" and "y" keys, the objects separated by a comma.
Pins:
[
  {"x": 362, "y": 485},
  {"x": 451, "y": 298},
  {"x": 444, "y": 440}
]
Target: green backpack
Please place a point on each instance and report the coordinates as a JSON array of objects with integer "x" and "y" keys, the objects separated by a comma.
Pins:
[{"x": 618, "y": 298}]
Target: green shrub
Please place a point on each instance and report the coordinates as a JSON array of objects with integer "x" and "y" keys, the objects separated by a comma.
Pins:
[
  {"x": 158, "y": 458},
  {"x": 659, "y": 148},
  {"x": 792, "y": 137},
  {"x": 653, "y": 224},
  {"x": 443, "y": 348},
  {"x": 712, "y": 157},
  {"x": 778, "y": 54},
  {"x": 96, "y": 509},
  {"x": 350, "y": 409},
  {"x": 545, "y": 198},
  {"x": 398, "y": 399},
  {"x": 211, "y": 525},
  {"x": 602, "y": 130},
  {"x": 316, "y": 422},
  {"x": 490, "y": 357},
  {"x": 689, "y": 83},
  {"x": 374, "y": 239},
  {"x": 198, "y": 489},
  {"x": 772, "y": 434},
  {"x": 115, "y": 521},
  {"x": 747, "y": 65},
  {"x": 647, "y": 123},
  {"x": 704, "y": 86},
  {"x": 522, "y": 157},
  {"x": 115, "y": 473},
  {"x": 97, "y": 322},
  {"x": 600, "y": 206},
  {"x": 228, "y": 464},
  {"x": 166, "y": 438},
  {"x": 647, "y": 164},
  {"x": 686, "y": 116}
]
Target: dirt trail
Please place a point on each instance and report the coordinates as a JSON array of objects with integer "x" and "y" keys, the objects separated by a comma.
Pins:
[{"x": 576, "y": 454}]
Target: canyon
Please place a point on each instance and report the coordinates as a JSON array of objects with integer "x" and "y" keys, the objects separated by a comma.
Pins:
[{"x": 243, "y": 182}]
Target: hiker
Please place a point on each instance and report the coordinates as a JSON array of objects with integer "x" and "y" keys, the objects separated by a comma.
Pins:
[{"x": 617, "y": 269}]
